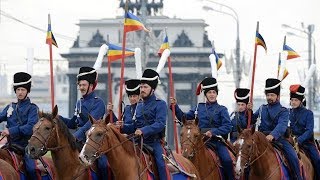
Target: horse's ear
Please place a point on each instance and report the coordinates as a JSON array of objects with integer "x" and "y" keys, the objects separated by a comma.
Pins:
[
  {"x": 239, "y": 129},
  {"x": 106, "y": 118},
  {"x": 253, "y": 129},
  {"x": 55, "y": 111},
  {"x": 92, "y": 120},
  {"x": 184, "y": 119},
  {"x": 40, "y": 114},
  {"x": 196, "y": 121}
]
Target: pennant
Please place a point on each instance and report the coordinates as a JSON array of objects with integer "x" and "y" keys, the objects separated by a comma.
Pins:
[
  {"x": 164, "y": 45},
  {"x": 133, "y": 23},
  {"x": 260, "y": 41},
  {"x": 50, "y": 38},
  {"x": 291, "y": 53},
  {"x": 218, "y": 60},
  {"x": 285, "y": 74},
  {"x": 115, "y": 52}
]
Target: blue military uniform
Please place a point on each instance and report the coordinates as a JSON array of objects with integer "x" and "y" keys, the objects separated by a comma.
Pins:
[
  {"x": 239, "y": 118},
  {"x": 88, "y": 104},
  {"x": 150, "y": 118},
  {"x": 216, "y": 117},
  {"x": 21, "y": 116},
  {"x": 301, "y": 125},
  {"x": 274, "y": 121}
]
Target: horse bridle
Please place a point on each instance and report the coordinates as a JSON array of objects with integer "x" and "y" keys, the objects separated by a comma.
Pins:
[
  {"x": 44, "y": 141},
  {"x": 101, "y": 142},
  {"x": 194, "y": 147},
  {"x": 249, "y": 161}
]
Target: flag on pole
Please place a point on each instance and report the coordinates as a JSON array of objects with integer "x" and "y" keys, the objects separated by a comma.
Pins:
[
  {"x": 291, "y": 53},
  {"x": 133, "y": 23},
  {"x": 50, "y": 38},
  {"x": 164, "y": 45},
  {"x": 285, "y": 74},
  {"x": 260, "y": 41},
  {"x": 115, "y": 52},
  {"x": 218, "y": 60}
]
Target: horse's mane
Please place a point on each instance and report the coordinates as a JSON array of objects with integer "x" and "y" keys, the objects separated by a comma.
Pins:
[
  {"x": 63, "y": 128},
  {"x": 258, "y": 136},
  {"x": 128, "y": 146}
]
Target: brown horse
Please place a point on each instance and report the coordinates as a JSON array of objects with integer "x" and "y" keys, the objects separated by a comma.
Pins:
[
  {"x": 255, "y": 151},
  {"x": 51, "y": 134},
  {"x": 124, "y": 158},
  {"x": 15, "y": 159},
  {"x": 193, "y": 147},
  {"x": 7, "y": 172}
]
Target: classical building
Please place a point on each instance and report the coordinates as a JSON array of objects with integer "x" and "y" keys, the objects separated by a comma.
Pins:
[{"x": 190, "y": 49}]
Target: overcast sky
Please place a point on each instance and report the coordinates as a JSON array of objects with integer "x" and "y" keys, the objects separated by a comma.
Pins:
[{"x": 15, "y": 37}]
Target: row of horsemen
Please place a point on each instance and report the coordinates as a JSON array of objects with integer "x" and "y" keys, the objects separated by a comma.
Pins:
[{"x": 146, "y": 117}]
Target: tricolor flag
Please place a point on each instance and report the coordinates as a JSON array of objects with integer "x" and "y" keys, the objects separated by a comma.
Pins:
[
  {"x": 133, "y": 23},
  {"x": 291, "y": 53},
  {"x": 50, "y": 38},
  {"x": 115, "y": 52},
  {"x": 164, "y": 45},
  {"x": 218, "y": 60},
  {"x": 285, "y": 74},
  {"x": 260, "y": 41}
]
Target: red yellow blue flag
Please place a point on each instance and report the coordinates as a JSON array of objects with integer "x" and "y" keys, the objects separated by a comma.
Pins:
[
  {"x": 115, "y": 52},
  {"x": 260, "y": 41},
  {"x": 50, "y": 38},
  {"x": 218, "y": 60},
  {"x": 133, "y": 23},
  {"x": 164, "y": 45},
  {"x": 291, "y": 53},
  {"x": 285, "y": 74}
]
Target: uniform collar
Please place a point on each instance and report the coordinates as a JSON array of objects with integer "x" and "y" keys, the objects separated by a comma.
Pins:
[
  {"x": 23, "y": 102},
  {"x": 211, "y": 103},
  {"x": 89, "y": 96},
  {"x": 277, "y": 103},
  {"x": 150, "y": 98}
]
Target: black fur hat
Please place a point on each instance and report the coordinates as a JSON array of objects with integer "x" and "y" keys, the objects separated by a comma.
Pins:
[
  {"x": 133, "y": 87},
  {"x": 207, "y": 84},
  {"x": 242, "y": 95},
  {"x": 22, "y": 79},
  {"x": 151, "y": 78},
  {"x": 87, "y": 73},
  {"x": 272, "y": 86},
  {"x": 297, "y": 91}
]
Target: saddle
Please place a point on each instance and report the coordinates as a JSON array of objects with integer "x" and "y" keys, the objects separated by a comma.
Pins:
[
  {"x": 14, "y": 148},
  {"x": 172, "y": 165}
]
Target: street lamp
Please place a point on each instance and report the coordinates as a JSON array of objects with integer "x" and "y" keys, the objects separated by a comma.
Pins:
[
  {"x": 308, "y": 32},
  {"x": 236, "y": 18}
]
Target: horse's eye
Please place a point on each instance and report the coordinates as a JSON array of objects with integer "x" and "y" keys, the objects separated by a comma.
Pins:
[
  {"x": 47, "y": 128},
  {"x": 99, "y": 134}
]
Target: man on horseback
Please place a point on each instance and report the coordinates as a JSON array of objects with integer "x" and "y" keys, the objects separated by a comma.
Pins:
[
  {"x": 274, "y": 121},
  {"x": 214, "y": 121},
  {"x": 21, "y": 116},
  {"x": 240, "y": 116},
  {"x": 301, "y": 125},
  {"x": 91, "y": 104},
  {"x": 149, "y": 119},
  {"x": 133, "y": 92}
]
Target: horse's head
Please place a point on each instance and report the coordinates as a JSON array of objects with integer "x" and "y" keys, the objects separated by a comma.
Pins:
[
  {"x": 246, "y": 149},
  {"x": 99, "y": 138},
  {"x": 44, "y": 135},
  {"x": 190, "y": 137}
]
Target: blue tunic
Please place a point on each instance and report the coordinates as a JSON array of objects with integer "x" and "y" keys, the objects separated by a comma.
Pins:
[
  {"x": 151, "y": 116},
  {"x": 239, "y": 119},
  {"x": 90, "y": 104},
  {"x": 20, "y": 117},
  {"x": 274, "y": 121}
]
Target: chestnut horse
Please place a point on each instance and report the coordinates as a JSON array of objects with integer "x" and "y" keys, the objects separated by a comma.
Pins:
[
  {"x": 15, "y": 159},
  {"x": 194, "y": 148},
  {"x": 254, "y": 151},
  {"x": 7, "y": 172},
  {"x": 51, "y": 134},
  {"x": 127, "y": 162}
]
